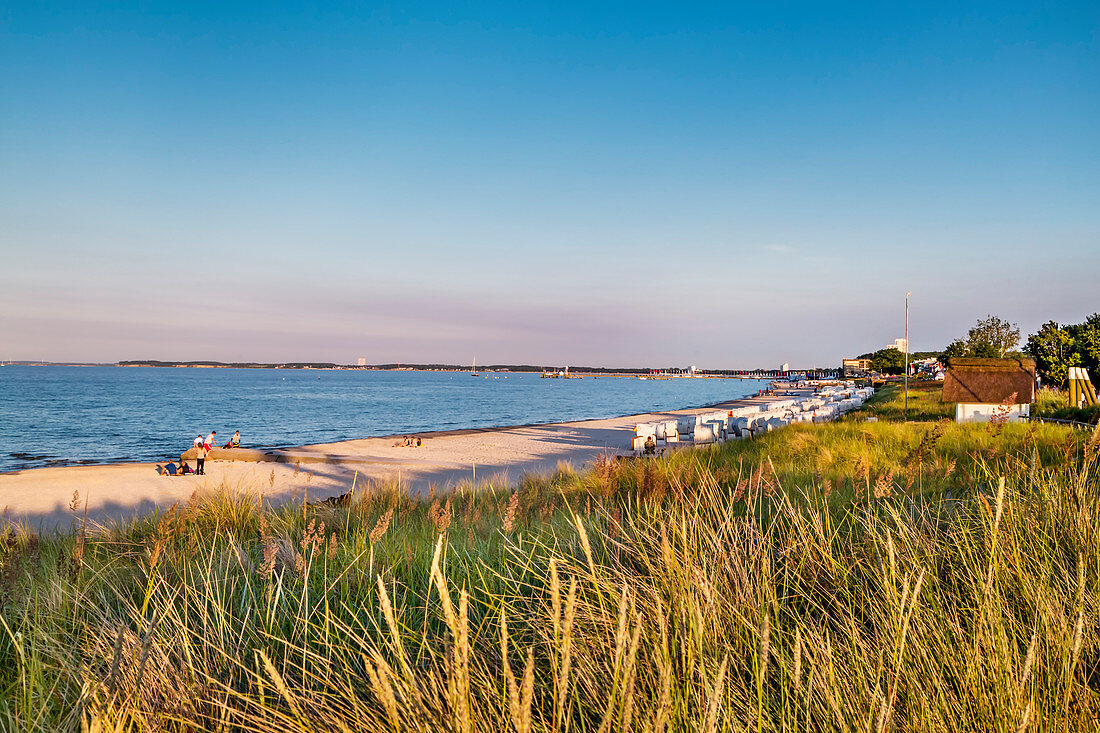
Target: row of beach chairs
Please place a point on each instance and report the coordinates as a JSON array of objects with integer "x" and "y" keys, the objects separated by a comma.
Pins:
[{"x": 828, "y": 403}]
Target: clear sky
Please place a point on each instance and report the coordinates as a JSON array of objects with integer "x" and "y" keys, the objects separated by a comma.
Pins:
[{"x": 727, "y": 184}]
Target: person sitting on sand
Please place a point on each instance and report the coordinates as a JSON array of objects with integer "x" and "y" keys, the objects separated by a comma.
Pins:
[
  {"x": 405, "y": 442},
  {"x": 235, "y": 441},
  {"x": 169, "y": 469},
  {"x": 419, "y": 442}
]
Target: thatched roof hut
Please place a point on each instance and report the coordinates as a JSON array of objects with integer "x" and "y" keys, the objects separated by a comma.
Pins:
[{"x": 990, "y": 381}]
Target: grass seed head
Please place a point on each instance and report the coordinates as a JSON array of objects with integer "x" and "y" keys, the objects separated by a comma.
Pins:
[
  {"x": 381, "y": 527},
  {"x": 510, "y": 512},
  {"x": 884, "y": 484}
]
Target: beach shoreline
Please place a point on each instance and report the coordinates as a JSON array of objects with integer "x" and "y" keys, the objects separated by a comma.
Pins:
[
  {"x": 92, "y": 463},
  {"x": 73, "y": 417},
  {"x": 43, "y": 497}
]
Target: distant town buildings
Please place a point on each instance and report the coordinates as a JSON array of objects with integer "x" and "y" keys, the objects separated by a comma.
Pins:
[
  {"x": 901, "y": 345},
  {"x": 853, "y": 367},
  {"x": 362, "y": 361}
]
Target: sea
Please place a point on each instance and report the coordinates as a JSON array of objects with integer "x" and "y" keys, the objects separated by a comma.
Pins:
[{"x": 68, "y": 415}]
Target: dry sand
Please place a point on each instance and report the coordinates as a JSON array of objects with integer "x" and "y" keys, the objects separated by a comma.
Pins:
[{"x": 41, "y": 497}]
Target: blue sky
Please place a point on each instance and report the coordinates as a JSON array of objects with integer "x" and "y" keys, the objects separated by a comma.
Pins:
[{"x": 614, "y": 184}]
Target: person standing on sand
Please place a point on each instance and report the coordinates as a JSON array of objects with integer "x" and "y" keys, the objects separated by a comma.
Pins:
[
  {"x": 210, "y": 440},
  {"x": 200, "y": 459}
]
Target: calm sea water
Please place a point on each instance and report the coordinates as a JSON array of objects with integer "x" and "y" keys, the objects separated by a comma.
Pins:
[{"x": 70, "y": 415}]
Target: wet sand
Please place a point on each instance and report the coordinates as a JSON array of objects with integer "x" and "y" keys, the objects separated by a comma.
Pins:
[{"x": 41, "y": 497}]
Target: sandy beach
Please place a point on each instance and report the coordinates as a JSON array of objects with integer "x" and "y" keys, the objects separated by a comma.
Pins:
[{"x": 41, "y": 497}]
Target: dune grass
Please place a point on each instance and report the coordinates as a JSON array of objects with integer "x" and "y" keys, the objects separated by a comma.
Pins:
[
  {"x": 1054, "y": 403},
  {"x": 925, "y": 402},
  {"x": 853, "y": 576}
]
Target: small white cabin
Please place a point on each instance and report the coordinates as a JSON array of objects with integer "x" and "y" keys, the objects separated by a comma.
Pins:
[{"x": 988, "y": 389}]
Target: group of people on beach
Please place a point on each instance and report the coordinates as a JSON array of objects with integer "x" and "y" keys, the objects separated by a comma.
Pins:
[
  {"x": 409, "y": 441},
  {"x": 202, "y": 447}
]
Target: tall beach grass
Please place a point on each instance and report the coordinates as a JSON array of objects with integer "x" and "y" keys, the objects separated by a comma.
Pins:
[{"x": 854, "y": 576}]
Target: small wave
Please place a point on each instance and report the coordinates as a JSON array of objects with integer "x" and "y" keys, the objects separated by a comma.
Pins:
[{"x": 30, "y": 457}]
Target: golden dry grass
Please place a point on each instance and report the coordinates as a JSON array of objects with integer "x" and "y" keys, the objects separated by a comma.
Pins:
[{"x": 811, "y": 580}]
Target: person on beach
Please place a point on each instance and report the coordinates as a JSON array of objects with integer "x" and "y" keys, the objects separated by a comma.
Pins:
[
  {"x": 196, "y": 444},
  {"x": 200, "y": 459},
  {"x": 419, "y": 442},
  {"x": 235, "y": 441},
  {"x": 210, "y": 440}
]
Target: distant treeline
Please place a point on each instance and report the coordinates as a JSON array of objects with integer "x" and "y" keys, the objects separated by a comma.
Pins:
[
  {"x": 434, "y": 367},
  {"x": 331, "y": 365},
  {"x": 420, "y": 367},
  {"x": 231, "y": 365}
]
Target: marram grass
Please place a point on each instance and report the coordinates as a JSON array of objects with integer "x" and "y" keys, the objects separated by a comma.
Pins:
[{"x": 846, "y": 577}]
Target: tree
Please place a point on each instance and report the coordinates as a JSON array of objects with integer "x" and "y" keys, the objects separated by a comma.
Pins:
[
  {"x": 993, "y": 337},
  {"x": 990, "y": 337},
  {"x": 887, "y": 361},
  {"x": 955, "y": 348},
  {"x": 1054, "y": 350},
  {"x": 1086, "y": 340}
]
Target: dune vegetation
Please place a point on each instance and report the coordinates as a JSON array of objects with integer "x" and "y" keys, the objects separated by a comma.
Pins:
[
  {"x": 1054, "y": 403},
  {"x": 853, "y": 576}
]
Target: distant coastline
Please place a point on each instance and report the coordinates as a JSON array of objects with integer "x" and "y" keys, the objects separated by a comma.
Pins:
[
  {"x": 492, "y": 368},
  {"x": 550, "y": 370},
  {"x": 351, "y": 367}
]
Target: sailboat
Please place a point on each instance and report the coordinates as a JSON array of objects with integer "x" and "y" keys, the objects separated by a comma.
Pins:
[{"x": 473, "y": 369}]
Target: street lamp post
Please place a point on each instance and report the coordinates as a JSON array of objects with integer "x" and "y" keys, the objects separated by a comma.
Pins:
[{"x": 905, "y": 413}]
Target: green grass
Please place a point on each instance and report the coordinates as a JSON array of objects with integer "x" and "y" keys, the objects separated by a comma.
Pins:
[
  {"x": 925, "y": 402},
  {"x": 1054, "y": 403},
  {"x": 854, "y": 576}
]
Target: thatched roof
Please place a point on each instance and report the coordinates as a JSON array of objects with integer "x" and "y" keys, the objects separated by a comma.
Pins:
[{"x": 989, "y": 381}]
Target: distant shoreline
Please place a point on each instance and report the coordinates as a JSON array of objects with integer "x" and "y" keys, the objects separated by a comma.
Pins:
[
  {"x": 397, "y": 367},
  {"x": 577, "y": 371}
]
